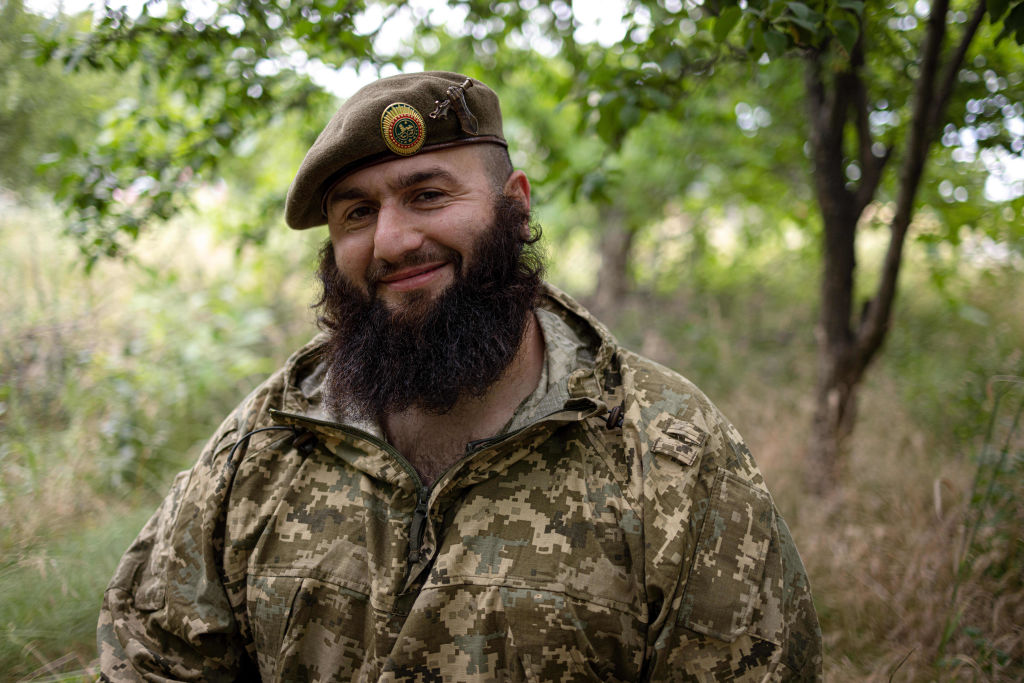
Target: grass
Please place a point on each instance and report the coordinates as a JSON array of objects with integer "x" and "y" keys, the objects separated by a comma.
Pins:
[
  {"x": 109, "y": 384},
  {"x": 50, "y": 595}
]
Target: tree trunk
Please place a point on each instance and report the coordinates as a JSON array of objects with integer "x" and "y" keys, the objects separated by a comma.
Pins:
[
  {"x": 840, "y": 363},
  {"x": 847, "y": 344},
  {"x": 614, "y": 284},
  {"x": 835, "y": 413}
]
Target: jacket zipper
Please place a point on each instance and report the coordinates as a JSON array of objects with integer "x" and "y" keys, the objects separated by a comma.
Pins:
[
  {"x": 419, "y": 516},
  {"x": 418, "y": 524}
]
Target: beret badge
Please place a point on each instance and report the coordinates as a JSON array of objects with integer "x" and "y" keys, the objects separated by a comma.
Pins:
[{"x": 403, "y": 128}]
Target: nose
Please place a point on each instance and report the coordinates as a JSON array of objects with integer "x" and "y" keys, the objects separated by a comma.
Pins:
[{"x": 396, "y": 234}]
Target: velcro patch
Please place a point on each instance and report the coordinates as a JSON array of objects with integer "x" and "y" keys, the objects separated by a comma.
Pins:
[{"x": 683, "y": 441}]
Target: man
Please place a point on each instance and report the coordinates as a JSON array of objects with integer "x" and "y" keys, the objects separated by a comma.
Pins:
[{"x": 464, "y": 478}]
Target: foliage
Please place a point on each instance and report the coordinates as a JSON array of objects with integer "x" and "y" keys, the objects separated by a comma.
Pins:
[
  {"x": 51, "y": 597},
  {"x": 992, "y": 551},
  {"x": 213, "y": 83},
  {"x": 693, "y": 124},
  {"x": 41, "y": 110},
  {"x": 140, "y": 373},
  {"x": 219, "y": 77},
  {"x": 107, "y": 384}
]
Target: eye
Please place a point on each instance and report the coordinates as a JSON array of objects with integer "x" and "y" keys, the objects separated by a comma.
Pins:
[
  {"x": 358, "y": 212},
  {"x": 351, "y": 217},
  {"x": 428, "y": 195}
]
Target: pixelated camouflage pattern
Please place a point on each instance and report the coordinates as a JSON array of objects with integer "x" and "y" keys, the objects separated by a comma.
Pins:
[{"x": 564, "y": 551}]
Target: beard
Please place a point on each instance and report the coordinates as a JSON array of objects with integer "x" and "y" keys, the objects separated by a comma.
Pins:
[{"x": 430, "y": 353}]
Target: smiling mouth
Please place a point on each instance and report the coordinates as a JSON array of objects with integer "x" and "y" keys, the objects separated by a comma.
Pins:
[{"x": 414, "y": 277}]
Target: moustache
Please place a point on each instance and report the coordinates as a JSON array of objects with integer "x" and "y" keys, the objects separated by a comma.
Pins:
[{"x": 431, "y": 253}]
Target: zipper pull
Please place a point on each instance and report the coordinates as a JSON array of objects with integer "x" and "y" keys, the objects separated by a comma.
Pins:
[
  {"x": 305, "y": 441},
  {"x": 416, "y": 528}
]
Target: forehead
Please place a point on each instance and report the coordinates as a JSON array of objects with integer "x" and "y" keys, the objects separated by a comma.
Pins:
[{"x": 462, "y": 164}]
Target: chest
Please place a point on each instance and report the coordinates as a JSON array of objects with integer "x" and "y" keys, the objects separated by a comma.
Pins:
[
  {"x": 431, "y": 446},
  {"x": 432, "y": 454},
  {"x": 523, "y": 576}
]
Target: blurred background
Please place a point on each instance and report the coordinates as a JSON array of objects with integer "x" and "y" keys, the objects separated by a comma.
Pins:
[{"x": 814, "y": 210}]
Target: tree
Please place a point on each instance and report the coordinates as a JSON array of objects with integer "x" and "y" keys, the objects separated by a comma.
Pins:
[
  {"x": 705, "y": 142},
  {"x": 883, "y": 86},
  {"x": 37, "y": 102},
  {"x": 844, "y": 146},
  {"x": 880, "y": 85},
  {"x": 206, "y": 84}
]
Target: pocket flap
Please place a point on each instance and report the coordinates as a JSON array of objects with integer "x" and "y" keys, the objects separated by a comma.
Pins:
[{"x": 728, "y": 567}]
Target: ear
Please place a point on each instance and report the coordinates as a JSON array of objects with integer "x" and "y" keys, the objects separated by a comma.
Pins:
[{"x": 518, "y": 187}]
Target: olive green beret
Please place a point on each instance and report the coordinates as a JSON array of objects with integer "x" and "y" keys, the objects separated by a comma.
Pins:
[{"x": 390, "y": 119}]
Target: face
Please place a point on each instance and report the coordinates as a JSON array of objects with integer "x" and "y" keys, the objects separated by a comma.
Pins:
[
  {"x": 380, "y": 361},
  {"x": 400, "y": 230}
]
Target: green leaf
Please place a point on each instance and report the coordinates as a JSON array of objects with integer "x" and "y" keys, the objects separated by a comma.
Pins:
[
  {"x": 725, "y": 22},
  {"x": 996, "y": 9},
  {"x": 608, "y": 125},
  {"x": 802, "y": 11},
  {"x": 775, "y": 43},
  {"x": 809, "y": 26},
  {"x": 856, "y": 6},
  {"x": 629, "y": 116},
  {"x": 803, "y": 16},
  {"x": 1013, "y": 25},
  {"x": 775, "y": 9},
  {"x": 757, "y": 40},
  {"x": 846, "y": 34}
]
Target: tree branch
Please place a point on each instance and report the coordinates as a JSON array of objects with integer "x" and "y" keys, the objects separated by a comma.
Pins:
[
  {"x": 828, "y": 115},
  {"x": 871, "y": 165},
  {"x": 952, "y": 69},
  {"x": 828, "y": 112},
  {"x": 919, "y": 138}
]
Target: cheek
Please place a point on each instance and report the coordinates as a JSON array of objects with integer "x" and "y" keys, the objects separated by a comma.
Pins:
[
  {"x": 462, "y": 231},
  {"x": 352, "y": 255}
]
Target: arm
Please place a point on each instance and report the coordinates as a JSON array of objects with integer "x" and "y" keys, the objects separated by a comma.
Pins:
[
  {"x": 727, "y": 592},
  {"x": 744, "y": 609},
  {"x": 166, "y": 614}
]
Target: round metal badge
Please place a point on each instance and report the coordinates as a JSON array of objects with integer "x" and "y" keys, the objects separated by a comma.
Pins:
[{"x": 403, "y": 128}]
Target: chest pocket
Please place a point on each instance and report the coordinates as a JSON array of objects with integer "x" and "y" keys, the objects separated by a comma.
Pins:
[{"x": 724, "y": 585}]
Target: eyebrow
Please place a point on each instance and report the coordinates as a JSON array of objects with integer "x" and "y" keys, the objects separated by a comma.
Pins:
[
  {"x": 435, "y": 173},
  {"x": 401, "y": 183}
]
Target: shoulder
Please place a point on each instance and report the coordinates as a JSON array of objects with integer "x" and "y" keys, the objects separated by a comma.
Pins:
[
  {"x": 673, "y": 421},
  {"x": 248, "y": 436}
]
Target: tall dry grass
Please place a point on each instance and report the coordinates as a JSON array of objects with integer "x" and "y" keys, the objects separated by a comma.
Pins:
[{"x": 108, "y": 384}]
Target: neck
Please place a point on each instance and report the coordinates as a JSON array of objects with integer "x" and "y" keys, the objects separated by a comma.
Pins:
[{"x": 432, "y": 442}]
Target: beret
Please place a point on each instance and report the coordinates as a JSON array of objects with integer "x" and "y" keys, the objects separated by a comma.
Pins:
[{"x": 390, "y": 119}]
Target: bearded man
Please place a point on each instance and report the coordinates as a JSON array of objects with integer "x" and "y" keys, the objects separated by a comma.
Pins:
[{"x": 464, "y": 477}]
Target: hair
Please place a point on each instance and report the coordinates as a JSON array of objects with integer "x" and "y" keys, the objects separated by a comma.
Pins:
[{"x": 498, "y": 165}]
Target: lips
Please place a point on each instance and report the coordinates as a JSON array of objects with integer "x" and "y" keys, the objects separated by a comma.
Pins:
[{"x": 414, "y": 276}]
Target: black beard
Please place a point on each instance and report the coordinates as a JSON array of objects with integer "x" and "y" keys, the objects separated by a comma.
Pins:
[{"x": 432, "y": 354}]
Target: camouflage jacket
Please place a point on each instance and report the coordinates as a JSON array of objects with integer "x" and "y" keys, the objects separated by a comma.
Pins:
[{"x": 579, "y": 547}]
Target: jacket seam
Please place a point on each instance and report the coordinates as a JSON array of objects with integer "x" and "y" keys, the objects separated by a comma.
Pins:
[{"x": 521, "y": 584}]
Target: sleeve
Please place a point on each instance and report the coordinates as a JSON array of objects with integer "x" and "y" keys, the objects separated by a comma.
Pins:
[
  {"x": 735, "y": 599},
  {"x": 166, "y": 614}
]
